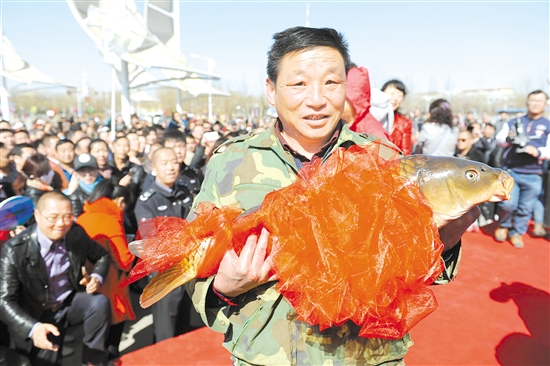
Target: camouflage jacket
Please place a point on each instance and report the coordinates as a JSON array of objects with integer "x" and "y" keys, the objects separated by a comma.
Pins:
[{"x": 263, "y": 328}]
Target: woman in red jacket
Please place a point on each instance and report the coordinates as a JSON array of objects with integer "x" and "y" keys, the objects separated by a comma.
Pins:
[
  {"x": 401, "y": 132},
  {"x": 102, "y": 221}
]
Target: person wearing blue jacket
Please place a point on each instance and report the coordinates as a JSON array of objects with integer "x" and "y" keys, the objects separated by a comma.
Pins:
[{"x": 527, "y": 143}]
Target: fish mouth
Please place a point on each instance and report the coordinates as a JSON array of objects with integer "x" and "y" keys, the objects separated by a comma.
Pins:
[{"x": 504, "y": 189}]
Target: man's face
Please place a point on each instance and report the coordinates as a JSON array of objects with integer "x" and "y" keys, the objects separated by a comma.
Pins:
[
  {"x": 7, "y": 139},
  {"x": 88, "y": 175},
  {"x": 38, "y": 134},
  {"x": 55, "y": 218},
  {"x": 476, "y": 130},
  {"x": 101, "y": 153},
  {"x": 177, "y": 117},
  {"x": 83, "y": 146},
  {"x": 4, "y": 157},
  {"x": 151, "y": 137},
  {"x": 489, "y": 131},
  {"x": 396, "y": 96},
  {"x": 179, "y": 148},
  {"x": 198, "y": 131},
  {"x": 536, "y": 104},
  {"x": 310, "y": 94},
  {"x": 78, "y": 134},
  {"x": 50, "y": 148},
  {"x": 465, "y": 140},
  {"x": 21, "y": 138},
  {"x": 121, "y": 148},
  {"x": 134, "y": 141},
  {"x": 19, "y": 161},
  {"x": 65, "y": 153},
  {"x": 166, "y": 166}
]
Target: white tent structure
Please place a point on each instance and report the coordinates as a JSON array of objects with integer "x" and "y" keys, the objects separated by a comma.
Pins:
[
  {"x": 13, "y": 67},
  {"x": 162, "y": 17},
  {"x": 136, "y": 53}
]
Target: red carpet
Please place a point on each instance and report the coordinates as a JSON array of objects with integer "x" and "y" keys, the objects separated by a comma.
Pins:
[{"x": 496, "y": 312}]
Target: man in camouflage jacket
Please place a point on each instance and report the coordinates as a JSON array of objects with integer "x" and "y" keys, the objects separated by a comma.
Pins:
[{"x": 307, "y": 86}]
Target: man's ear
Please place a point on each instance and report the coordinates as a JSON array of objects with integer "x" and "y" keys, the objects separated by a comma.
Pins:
[{"x": 270, "y": 91}]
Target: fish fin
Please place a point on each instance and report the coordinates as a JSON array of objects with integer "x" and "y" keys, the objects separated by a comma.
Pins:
[{"x": 165, "y": 282}]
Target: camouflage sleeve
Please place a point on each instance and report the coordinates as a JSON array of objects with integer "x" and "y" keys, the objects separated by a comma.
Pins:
[
  {"x": 451, "y": 258},
  {"x": 214, "y": 318}
]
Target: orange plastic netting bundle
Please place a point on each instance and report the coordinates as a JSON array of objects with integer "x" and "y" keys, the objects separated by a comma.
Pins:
[{"x": 356, "y": 242}]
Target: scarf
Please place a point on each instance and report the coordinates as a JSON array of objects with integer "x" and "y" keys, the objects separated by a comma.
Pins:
[{"x": 88, "y": 188}]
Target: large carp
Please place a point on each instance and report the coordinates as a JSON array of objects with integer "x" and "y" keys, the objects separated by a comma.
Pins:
[{"x": 357, "y": 237}]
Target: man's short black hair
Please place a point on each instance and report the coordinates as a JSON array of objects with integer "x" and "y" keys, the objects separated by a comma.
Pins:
[
  {"x": 18, "y": 149},
  {"x": 63, "y": 142},
  {"x": 172, "y": 135},
  {"x": 23, "y": 131},
  {"x": 538, "y": 91},
  {"x": 120, "y": 138},
  {"x": 303, "y": 39},
  {"x": 397, "y": 84}
]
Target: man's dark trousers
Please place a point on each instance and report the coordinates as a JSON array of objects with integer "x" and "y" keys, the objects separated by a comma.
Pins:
[{"x": 94, "y": 311}]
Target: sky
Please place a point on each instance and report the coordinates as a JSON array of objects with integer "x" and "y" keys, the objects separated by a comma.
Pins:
[{"x": 429, "y": 45}]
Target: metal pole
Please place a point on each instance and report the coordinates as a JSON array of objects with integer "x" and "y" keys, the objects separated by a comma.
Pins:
[
  {"x": 78, "y": 104},
  {"x": 113, "y": 103},
  {"x": 125, "y": 95},
  {"x": 178, "y": 102},
  {"x": 4, "y": 98}
]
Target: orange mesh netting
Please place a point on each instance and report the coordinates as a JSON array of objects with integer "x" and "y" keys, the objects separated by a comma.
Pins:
[{"x": 356, "y": 242}]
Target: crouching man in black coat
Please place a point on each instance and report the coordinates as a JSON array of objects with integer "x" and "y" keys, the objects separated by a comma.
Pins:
[{"x": 43, "y": 289}]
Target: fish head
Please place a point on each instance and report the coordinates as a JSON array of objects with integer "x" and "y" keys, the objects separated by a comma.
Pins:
[{"x": 453, "y": 186}]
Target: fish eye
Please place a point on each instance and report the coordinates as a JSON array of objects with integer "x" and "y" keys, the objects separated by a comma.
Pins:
[{"x": 471, "y": 174}]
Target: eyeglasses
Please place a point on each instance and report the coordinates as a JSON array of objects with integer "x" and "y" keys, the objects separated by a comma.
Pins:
[{"x": 67, "y": 218}]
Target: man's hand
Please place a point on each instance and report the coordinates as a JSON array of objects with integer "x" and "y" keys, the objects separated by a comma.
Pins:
[
  {"x": 531, "y": 150},
  {"x": 125, "y": 181},
  {"x": 40, "y": 336},
  {"x": 92, "y": 284},
  {"x": 451, "y": 233},
  {"x": 239, "y": 274},
  {"x": 73, "y": 184}
]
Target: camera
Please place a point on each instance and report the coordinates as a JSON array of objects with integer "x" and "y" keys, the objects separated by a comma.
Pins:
[{"x": 520, "y": 140}]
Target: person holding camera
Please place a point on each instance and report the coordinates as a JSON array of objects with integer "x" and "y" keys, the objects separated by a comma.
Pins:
[{"x": 526, "y": 141}]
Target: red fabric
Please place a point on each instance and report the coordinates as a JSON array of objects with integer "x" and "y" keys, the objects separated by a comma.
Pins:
[
  {"x": 331, "y": 268},
  {"x": 358, "y": 93},
  {"x": 102, "y": 221},
  {"x": 402, "y": 133}
]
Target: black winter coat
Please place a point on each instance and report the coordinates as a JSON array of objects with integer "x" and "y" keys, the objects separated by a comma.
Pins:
[{"x": 24, "y": 285}]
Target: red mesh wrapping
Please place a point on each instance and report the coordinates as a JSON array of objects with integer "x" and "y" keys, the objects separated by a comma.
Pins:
[
  {"x": 356, "y": 242},
  {"x": 168, "y": 240}
]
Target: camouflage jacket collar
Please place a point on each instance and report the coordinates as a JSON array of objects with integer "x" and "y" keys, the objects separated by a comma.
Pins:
[{"x": 268, "y": 139}]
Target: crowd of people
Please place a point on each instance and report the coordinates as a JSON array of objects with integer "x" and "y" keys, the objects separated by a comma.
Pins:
[{"x": 108, "y": 181}]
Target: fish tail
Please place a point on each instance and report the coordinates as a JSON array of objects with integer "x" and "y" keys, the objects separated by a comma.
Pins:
[{"x": 165, "y": 282}]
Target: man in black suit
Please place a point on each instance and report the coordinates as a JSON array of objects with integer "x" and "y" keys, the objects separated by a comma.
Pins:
[{"x": 43, "y": 288}]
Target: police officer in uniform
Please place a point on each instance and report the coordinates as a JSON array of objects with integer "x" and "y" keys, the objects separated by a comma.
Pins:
[
  {"x": 189, "y": 177},
  {"x": 174, "y": 314}
]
